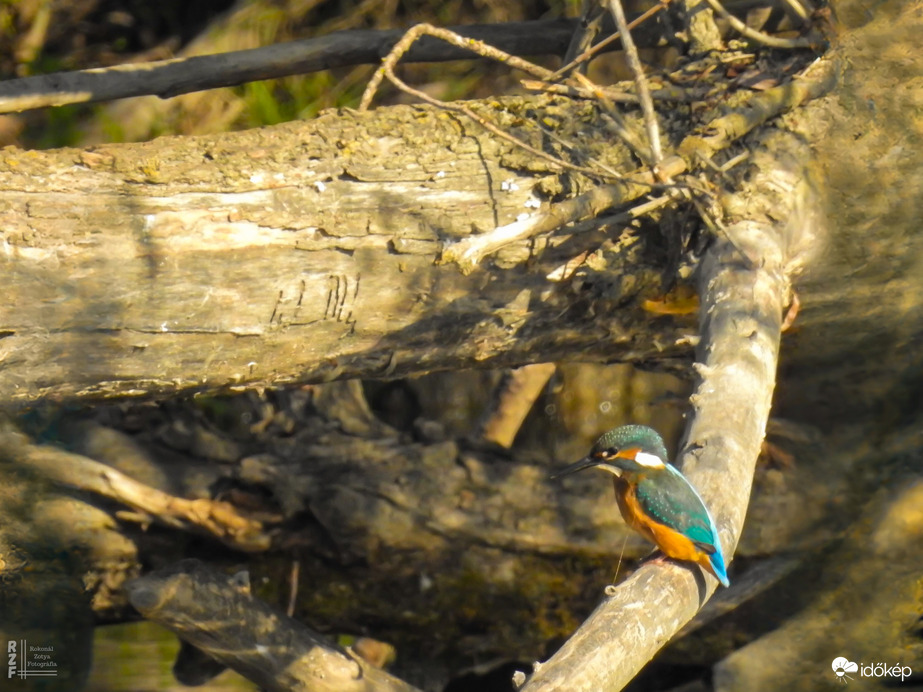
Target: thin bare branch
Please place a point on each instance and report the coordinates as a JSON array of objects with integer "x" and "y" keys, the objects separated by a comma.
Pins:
[
  {"x": 606, "y": 42},
  {"x": 644, "y": 93},
  {"x": 293, "y": 587},
  {"x": 386, "y": 71},
  {"x": 477, "y": 47},
  {"x": 490, "y": 127}
]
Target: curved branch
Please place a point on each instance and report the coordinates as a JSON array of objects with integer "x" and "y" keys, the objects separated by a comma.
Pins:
[
  {"x": 644, "y": 94},
  {"x": 741, "y": 317},
  {"x": 759, "y": 36}
]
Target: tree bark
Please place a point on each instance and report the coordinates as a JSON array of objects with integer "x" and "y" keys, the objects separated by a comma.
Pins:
[{"x": 304, "y": 253}]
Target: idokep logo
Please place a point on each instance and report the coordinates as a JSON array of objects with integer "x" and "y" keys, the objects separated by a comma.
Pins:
[{"x": 842, "y": 666}]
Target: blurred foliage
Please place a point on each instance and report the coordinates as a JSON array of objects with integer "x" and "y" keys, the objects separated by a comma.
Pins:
[{"x": 56, "y": 127}]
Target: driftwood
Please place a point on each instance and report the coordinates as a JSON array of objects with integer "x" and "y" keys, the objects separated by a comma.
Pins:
[
  {"x": 306, "y": 253},
  {"x": 303, "y": 252}
]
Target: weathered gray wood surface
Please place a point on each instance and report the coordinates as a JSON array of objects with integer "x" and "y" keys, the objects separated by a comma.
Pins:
[{"x": 303, "y": 252}]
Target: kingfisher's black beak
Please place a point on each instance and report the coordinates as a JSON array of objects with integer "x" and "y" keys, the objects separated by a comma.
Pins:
[{"x": 585, "y": 463}]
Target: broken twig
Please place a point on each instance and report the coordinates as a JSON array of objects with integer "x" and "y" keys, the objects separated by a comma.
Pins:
[{"x": 759, "y": 36}]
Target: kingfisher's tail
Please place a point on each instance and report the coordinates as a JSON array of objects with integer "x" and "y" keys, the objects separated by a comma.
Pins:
[{"x": 716, "y": 560}]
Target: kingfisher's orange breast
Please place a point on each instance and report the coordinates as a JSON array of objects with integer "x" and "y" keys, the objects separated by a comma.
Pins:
[{"x": 673, "y": 544}]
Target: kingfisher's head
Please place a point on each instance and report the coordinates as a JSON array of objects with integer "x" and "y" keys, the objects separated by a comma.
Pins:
[{"x": 627, "y": 449}]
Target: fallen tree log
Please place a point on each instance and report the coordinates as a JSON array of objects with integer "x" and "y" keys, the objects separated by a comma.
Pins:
[{"x": 300, "y": 253}]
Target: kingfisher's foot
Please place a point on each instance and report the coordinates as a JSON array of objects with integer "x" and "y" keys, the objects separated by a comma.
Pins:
[{"x": 656, "y": 558}]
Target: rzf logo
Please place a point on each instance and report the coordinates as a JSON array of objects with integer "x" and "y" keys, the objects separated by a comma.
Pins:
[{"x": 11, "y": 663}]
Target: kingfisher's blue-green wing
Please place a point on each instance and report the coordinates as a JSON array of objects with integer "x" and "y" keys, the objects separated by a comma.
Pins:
[{"x": 671, "y": 500}]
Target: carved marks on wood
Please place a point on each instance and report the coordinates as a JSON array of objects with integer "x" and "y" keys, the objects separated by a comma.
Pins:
[
  {"x": 336, "y": 293},
  {"x": 341, "y": 296}
]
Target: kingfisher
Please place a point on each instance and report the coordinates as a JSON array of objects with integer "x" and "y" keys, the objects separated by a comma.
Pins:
[{"x": 655, "y": 499}]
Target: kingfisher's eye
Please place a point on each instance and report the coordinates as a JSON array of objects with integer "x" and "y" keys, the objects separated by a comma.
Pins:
[{"x": 606, "y": 453}]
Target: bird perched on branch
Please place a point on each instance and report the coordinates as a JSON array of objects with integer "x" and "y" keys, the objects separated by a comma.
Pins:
[{"x": 655, "y": 499}]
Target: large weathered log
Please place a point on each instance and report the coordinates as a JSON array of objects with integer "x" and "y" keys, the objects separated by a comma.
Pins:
[{"x": 304, "y": 252}]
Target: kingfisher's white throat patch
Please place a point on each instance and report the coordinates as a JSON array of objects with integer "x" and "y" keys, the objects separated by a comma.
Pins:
[{"x": 651, "y": 461}]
